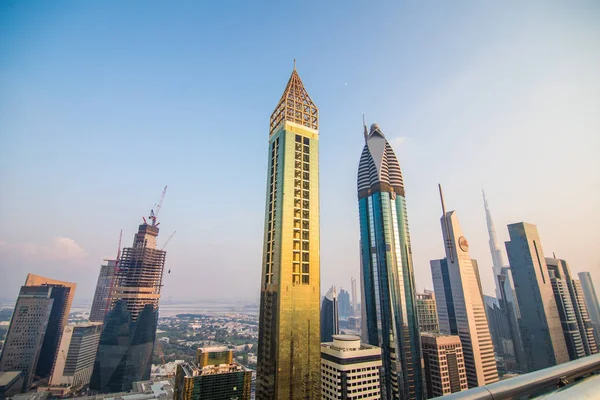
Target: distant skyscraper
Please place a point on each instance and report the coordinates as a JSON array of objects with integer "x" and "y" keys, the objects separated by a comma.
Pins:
[
  {"x": 76, "y": 355},
  {"x": 389, "y": 307},
  {"x": 289, "y": 339},
  {"x": 577, "y": 327},
  {"x": 503, "y": 344},
  {"x": 340, "y": 362},
  {"x": 591, "y": 301},
  {"x": 329, "y": 316},
  {"x": 214, "y": 377},
  {"x": 444, "y": 364},
  {"x": 354, "y": 296},
  {"x": 428, "y": 319},
  {"x": 23, "y": 343},
  {"x": 345, "y": 307},
  {"x": 497, "y": 256},
  {"x": 541, "y": 331},
  {"x": 102, "y": 303},
  {"x": 505, "y": 293},
  {"x": 459, "y": 300},
  {"x": 127, "y": 339}
]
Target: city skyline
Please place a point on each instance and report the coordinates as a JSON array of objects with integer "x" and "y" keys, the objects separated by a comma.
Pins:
[{"x": 79, "y": 127}]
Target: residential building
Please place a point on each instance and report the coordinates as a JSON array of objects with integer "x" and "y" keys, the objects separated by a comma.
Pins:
[
  {"x": 329, "y": 316},
  {"x": 289, "y": 337},
  {"x": 76, "y": 355},
  {"x": 459, "y": 299},
  {"x": 444, "y": 364},
  {"x": 214, "y": 377},
  {"x": 541, "y": 331},
  {"x": 428, "y": 319},
  {"x": 388, "y": 305},
  {"x": 101, "y": 304},
  {"x": 591, "y": 302},
  {"x": 127, "y": 339},
  {"x": 27, "y": 330},
  {"x": 350, "y": 369},
  {"x": 577, "y": 327}
]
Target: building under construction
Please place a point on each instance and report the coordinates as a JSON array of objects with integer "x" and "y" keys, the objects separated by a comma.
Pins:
[{"x": 127, "y": 340}]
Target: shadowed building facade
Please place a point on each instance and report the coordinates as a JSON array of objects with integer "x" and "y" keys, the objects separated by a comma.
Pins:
[
  {"x": 329, "y": 316},
  {"x": 541, "y": 331},
  {"x": 591, "y": 302},
  {"x": 101, "y": 304},
  {"x": 127, "y": 339},
  {"x": 289, "y": 340},
  {"x": 389, "y": 307}
]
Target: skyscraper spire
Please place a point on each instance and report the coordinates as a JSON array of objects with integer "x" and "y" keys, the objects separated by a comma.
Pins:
[{"x": 497, "y": 256}]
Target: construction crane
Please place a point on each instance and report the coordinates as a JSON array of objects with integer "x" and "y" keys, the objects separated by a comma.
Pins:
[
  {"x": 154, "y": 214},
  {"x": 114, "y": 278},
  {"x": 168, "y": 240}
]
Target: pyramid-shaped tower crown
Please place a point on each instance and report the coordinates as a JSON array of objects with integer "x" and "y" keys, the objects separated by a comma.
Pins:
[{"x": 295, "y": 105}]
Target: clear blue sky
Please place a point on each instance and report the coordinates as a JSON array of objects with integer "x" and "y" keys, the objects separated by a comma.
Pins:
[{"x": 102, "y": 103}]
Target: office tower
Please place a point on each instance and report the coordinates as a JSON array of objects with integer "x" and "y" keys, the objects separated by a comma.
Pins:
[
  {"x": 577, "y": 327},
  {"x": 127, "y": 339},
  {"x": 541, "y": 331},
  {"x": 388, "y": 301},
  {"x": 444, "y": 364},
  {"x": 101, "y": 303},
  {"x": 329, "y": 316},
  {"x": 214, "y": 377},
  {"x": 350, "y": 369},
  {"x": 289, "y": 333},
  {"x": 591, "y": 302},
  {"x": 354, "y": 298},
  {"x": 62, "y": 293},
  {"x": 345, "y": 306},
  {"x": 459, "y": 300},
  {"x": 428, "y": 319},
  {"x": 76, "y": 355},
  {"x": 25, "y": 336}
]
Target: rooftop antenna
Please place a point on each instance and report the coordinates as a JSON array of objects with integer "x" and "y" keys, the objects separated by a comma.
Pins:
[
  {"x": 365, "y": 128},
  {"x": 294, "y": 64},
  {"x": 446, "y": 226}
]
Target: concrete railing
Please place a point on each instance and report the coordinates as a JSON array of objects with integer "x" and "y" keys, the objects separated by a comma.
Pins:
[{"x": 533, "y": 383}]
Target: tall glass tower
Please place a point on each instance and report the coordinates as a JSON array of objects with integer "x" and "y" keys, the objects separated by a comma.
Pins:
[
  {"x": 289, "y": 344},
  {"x": 389, "y": 310}
]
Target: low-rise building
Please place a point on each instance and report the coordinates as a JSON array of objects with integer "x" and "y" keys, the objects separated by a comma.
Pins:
[{"x": 350, "y": 369}]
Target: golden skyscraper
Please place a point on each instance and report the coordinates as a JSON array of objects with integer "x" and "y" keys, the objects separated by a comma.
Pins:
[{"x": 289, "y": 333}]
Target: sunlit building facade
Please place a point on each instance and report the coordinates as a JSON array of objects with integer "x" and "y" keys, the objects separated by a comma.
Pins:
[
  {"x": 289, "y": 339},
  {"x": 389, "y": 306},
  {"x": 459, "y": 299}
]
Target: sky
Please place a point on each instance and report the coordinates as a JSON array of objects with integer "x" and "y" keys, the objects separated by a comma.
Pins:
[{"x": 104, "y": 103}]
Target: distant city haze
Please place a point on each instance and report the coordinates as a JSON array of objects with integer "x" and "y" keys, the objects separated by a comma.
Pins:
[{"x": 102, "y": 104}]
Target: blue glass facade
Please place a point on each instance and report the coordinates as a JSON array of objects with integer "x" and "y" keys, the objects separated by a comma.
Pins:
[{"x": 389, "y": 295}]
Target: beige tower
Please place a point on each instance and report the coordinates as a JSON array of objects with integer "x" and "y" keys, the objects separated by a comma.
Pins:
[{"x": 289, "y": 328}]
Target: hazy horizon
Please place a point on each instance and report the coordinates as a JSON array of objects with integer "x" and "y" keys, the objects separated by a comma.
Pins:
[{"x": 102, "y": 104}]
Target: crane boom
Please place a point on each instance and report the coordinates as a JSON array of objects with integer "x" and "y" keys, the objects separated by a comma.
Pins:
[
  {"x": 168, "y": 240},
  {"x": 154, "y": 212}
]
